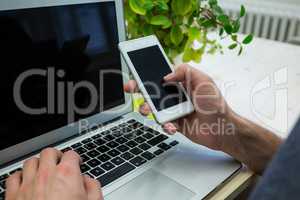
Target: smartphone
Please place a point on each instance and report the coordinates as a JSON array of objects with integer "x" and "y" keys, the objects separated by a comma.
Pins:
[{"x": 149, "y": 65}]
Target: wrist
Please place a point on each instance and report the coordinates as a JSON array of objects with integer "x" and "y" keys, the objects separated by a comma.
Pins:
[{"x": 230, "y": 141}]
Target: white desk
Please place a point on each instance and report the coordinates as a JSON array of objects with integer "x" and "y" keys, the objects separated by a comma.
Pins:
[{"x": 262, "y": 59}]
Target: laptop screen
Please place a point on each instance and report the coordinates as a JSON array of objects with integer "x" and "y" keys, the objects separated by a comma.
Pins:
[{"x": 58, "y": 65}]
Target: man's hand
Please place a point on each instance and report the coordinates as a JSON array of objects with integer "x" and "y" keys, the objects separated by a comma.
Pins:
[
  {"x": 214, "y": 124},
  {"x": 53, "y": 176},
  {"x": 211, "y": 110}
]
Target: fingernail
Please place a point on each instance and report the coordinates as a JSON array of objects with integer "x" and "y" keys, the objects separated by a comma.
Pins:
[{"x": 169, "y": 76}]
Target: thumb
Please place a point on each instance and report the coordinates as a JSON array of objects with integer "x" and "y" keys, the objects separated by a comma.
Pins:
[
  {"x": 180, "y": 74},
  {"x": 93, "y": 188}
]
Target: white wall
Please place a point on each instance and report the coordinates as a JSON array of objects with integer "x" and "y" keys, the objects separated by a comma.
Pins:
[{"x": 282, "y": 1}]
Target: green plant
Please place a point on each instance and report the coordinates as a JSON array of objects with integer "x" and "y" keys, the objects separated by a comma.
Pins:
[{"x": 182, "y": 26}]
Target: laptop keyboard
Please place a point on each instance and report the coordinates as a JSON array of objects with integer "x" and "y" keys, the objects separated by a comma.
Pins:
[{"x": 111, "y": 154}]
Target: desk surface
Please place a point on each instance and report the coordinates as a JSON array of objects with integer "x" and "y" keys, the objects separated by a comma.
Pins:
[{"x": 262, "y": 85}]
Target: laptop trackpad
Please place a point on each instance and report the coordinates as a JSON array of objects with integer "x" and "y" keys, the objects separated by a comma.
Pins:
[{"x": 149, "y": 186}]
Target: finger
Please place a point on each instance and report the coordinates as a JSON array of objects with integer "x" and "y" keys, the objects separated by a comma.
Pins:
[
  {"x": 131, "y": 87},
  {"x": 13, "y": 184},
  {"x": 170, "y": 128},
  {"x": 180, "y": 74},
  {"x": 30, "y": 168},
  {"x": 72, "y": 159},
  {"x": 145, "y": 109},
  {"x": 93, "y": 188},
  {"x": 49, "y": 158}
]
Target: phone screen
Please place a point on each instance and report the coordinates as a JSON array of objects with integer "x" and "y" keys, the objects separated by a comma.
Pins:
[{"x": 152, "y": 67}]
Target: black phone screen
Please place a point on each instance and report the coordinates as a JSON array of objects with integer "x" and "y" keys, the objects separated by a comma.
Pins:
[{"x": 152, "y": 67}]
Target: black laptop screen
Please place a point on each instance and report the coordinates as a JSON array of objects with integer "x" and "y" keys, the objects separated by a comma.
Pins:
[{"x": 58, "y": 65}]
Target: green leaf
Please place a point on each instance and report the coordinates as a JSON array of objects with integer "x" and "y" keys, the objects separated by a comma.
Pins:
[
  {"x": 131, "y": 17},
  {"x": 161, "y": 20},
  {"x": 228, "y": 29},
  {"x": 162, "y": 6},
  {"x": 194, "y": 33},
  {"x": 223, "y": 19},
  {"x": 236, "y": 26},
  {"x": 148, "y": 30},
  {"x": 218, "y": 10},
  {"x": 212, "y": 3},
  {"x": 181, "y": 7},
  {"x": 234, "y": 37},
  {"x": 137, "y": 6},
  {"x": 221, "y": 32},
  {"x": 176, "y": 35},
  {"x": 208, "y": 23},
  {"x": 248, "y": 39},
  {"x": 243, "y": 11},
  {"x": 233, "y": 46},
  {"x": 192, "y": 55},
  {"x": 149, "y": 5},
  {"x": 167, "y": 40},
  {"x": 240, "y": 51}
]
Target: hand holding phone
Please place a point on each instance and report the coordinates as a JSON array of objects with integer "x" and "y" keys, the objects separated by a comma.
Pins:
[{"x": 149, "y": 65}]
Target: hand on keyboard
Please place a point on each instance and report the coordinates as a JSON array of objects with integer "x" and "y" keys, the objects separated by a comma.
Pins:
[{"x": 53, "y": 176}]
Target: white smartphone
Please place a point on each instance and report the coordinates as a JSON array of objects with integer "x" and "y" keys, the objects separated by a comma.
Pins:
[{"x": 149, "y": 65}]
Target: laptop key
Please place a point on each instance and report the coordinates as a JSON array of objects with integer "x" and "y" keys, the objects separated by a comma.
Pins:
[
  {"x": 102, "y": 149},
  {"x": 107, "y": 166},
  {"x": 147, "y": 155},
  {"x": 112, "y": 144},
  {"x": 136, "y": 151},
  {"x": 104, "y": 158},
  {"x": 93, "y": 153},
  {"x": 148, "y": 136},
  {"x": 2, "y": 196},
  {"x": 145, "y": 146},
  {"x": 158, "y": 152},
  {"x": 123, "y": 148},
  {"x": 97, "y": 172},
  {"x": 131, "y": 121},
  {"x": 138, "y": 161},
  {"x": 158, "y": 139},
  {"x": 2, "y": 184},
  {"x": 127, "y": 156},
  {"x": 132, "y": 144},
  {"x": 174, "y": 143},
  {"x": 113, "y": 153},
  {"x": 140, "y": 140},
  {"x": 115, "y": 174},
  {"x": 109, "y": 138},
  {"x": 99, "y": 142},
  {"x": 93, "y": 163},
  {"x": 96, "y": 136},
  {"x": 117, "y": 161},
  {"x": 84, "y": 158},
  {"x": 130, "y": 136},
  {"x": 104, "y": 133},
  {"x": 86, "y": 141},
  {"x": 3, "y": 177},
  {"x": 66, "y": 149},
  {"x": 84, "y": 168},
  {"x": 80, "y": 150},
  {"x": 75, "y": 146},
  {"x": 117, "y": 133},
  {"x": 90, "y": 146},
  {"x": 121, "y": 140},
  {"x": 164, "y": 146}
]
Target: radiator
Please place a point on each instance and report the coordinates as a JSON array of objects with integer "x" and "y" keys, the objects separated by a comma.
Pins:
[{"x": 271, "y": 20}]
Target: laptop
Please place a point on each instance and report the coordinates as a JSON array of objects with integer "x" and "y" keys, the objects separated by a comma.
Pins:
[{"x": 62, "y": 86}]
